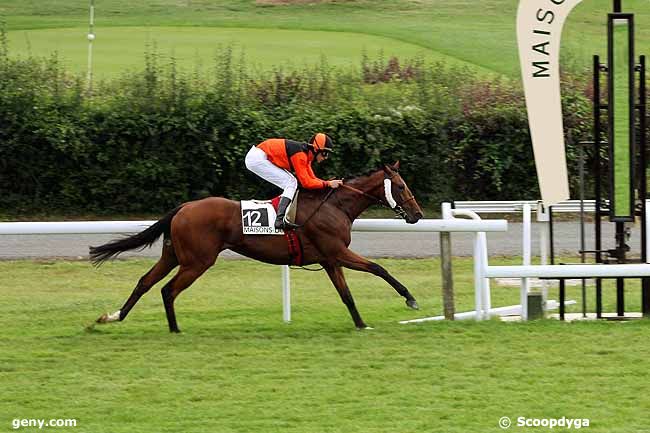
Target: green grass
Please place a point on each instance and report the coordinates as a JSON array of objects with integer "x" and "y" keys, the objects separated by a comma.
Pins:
[
  {"x": 480, "y": 34},
  {"x": 119, "y": 49},
  {"x": 238, "y": 368}
]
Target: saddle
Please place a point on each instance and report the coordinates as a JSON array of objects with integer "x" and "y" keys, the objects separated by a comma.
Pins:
[{"x": 290, "y": 215}]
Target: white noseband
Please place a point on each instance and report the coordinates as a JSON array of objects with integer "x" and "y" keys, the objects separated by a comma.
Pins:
[{"x": 388, "y": 192}]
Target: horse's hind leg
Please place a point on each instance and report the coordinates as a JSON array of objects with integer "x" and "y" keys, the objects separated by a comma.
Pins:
[
  {"x": 182, "y": 280},
  {"x": 338, "y": 279},
  {"x": 160, "y": 270}
]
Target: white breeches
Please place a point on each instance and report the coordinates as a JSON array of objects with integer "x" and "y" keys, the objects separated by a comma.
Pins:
[{"x": 257, "y": 162}]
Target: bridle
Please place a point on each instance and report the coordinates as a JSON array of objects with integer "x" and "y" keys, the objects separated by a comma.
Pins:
[
  {"x": 388, "y": 182},
  {"x": 388, "y": 195}
]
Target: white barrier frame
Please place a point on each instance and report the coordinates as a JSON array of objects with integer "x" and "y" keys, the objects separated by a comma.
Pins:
[
  {"x": 448, "y": 225},
  {"x": 483, "y": 305},
  {"x": 567, "y": 271}
]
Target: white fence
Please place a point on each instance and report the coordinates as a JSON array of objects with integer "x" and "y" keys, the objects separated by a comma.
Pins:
[
  {"x": 363, "y": 225},
  {"x": 483, "y": 271},
  {"x": 450, "y": 223}
]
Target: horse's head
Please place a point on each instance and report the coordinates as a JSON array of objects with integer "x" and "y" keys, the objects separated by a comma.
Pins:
[{"x": 399, "y": 196}]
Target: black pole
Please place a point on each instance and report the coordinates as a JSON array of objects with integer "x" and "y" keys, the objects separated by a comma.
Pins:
[
  {"x": 617, "y": 6},
  {"x": 599, "y": 298},
  {"x": 620, "y": 297},
  {"x": 550, "y": 234},
  {"x": 620, "y": 259},
  {"x": 643, "y": 184},
  {"x": 597, "y": 183}
]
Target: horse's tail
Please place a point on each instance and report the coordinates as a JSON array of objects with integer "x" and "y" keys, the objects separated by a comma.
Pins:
[{"x": 145, "y": 238}]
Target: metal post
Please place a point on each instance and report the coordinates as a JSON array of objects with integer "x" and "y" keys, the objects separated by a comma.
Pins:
[
  {"x": 550, "y": 234},
  {"x": 598, "y": 245},
  {"x": 620, "y": 297},
  {"x": 286, "y": 294},
  {"x": 562, "y": 297},
  {"x": 485, "y": 282},
  {"x": 542, "y": 216},
  {"x": 643, "y": 185},
  {"x": 478, "y": 283},
  {"x": 621, "y": 259},
  {"x": 447, "y": 278}
]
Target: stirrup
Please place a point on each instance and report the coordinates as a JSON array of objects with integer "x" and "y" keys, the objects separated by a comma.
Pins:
[
  {"x": 285, "y": 225},
  {"x": 289, "y": 225}
]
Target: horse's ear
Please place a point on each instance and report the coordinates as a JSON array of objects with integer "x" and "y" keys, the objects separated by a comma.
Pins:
[{"x": 391, "y": 168}]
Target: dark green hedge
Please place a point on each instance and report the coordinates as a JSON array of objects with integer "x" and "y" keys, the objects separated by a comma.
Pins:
[{"x": 148, "y": 141}]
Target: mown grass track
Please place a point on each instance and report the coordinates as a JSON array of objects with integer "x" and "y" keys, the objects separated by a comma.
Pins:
[
  {"x": 238, "y": 368},
  {"x": 481, "y": 34}
]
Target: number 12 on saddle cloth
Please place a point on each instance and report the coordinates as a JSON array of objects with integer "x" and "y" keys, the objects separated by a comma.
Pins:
[{"x": 258, "y": 218}]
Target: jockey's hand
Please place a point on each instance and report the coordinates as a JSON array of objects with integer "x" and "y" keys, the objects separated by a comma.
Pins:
[{"x": 335, "y": 183}]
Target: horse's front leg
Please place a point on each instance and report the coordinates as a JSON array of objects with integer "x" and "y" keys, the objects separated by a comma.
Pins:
[
  {"x": 354, "y": 261},
  {"x": 338, "y": 279}
]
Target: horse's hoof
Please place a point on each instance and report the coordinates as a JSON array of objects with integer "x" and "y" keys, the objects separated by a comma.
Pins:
[
  {"x": 365, "y": 328},
  {"x": 413, "y": 304},
  {"x": 107, "y": 318}
]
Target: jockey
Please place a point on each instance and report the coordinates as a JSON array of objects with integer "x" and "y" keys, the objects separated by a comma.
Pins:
[{"x": 275, "y": 158}]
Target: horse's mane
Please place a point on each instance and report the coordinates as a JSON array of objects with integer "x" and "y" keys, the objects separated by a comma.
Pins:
[{"x": 366, "y": 174}]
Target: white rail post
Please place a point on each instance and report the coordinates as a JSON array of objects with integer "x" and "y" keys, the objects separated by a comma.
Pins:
[
  {"x": 527, "y": 240},
  {"x": 485, "y": 282},
  {"x": 286, "y": 294},
  {"x": 542, "y": 217},
  {"x": 481, "y": 285},
  {"x": 445, "y": 264},
  {"x": 478, "y": 282}
]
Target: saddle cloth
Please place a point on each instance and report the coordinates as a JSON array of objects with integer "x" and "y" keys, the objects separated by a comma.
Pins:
[{"x": 258, "y": 218}]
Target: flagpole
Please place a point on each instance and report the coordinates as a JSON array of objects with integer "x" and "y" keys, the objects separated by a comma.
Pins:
[{"x": 91, "y": 38}]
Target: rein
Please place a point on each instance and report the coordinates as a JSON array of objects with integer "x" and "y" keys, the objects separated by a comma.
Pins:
[
  {"x": 358, "y": 191},
  {"x": 327, "y": 196},
  {"x": 397, "y": 208}
]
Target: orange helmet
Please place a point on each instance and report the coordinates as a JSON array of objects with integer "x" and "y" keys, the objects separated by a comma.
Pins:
[{"x": 321, "y": 143}]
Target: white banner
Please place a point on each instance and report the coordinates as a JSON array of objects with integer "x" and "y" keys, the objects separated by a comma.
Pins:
[{"x": 539, "y": 29}]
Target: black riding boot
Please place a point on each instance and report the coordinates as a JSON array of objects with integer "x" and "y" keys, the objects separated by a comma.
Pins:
[{"x": 282, "y": 210}]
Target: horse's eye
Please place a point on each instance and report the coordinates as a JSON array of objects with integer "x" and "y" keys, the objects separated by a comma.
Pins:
[{"x": 402, "y": 187}]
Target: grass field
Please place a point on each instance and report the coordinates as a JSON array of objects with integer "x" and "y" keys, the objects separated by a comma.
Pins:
[
  {"x": 480, "y": 34},
  {"x": 122, "y": 48},
  {"x": 238, "y": 368}
]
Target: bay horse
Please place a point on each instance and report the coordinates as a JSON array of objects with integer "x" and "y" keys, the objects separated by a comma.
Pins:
[{"x": 197, "y": 231}]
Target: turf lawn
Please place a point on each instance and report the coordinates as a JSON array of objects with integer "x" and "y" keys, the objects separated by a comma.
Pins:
[
  {"x": 237, "y": 368},
  {"x": 120, "y": 49},
  {"x": 478, "y": 33}
]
